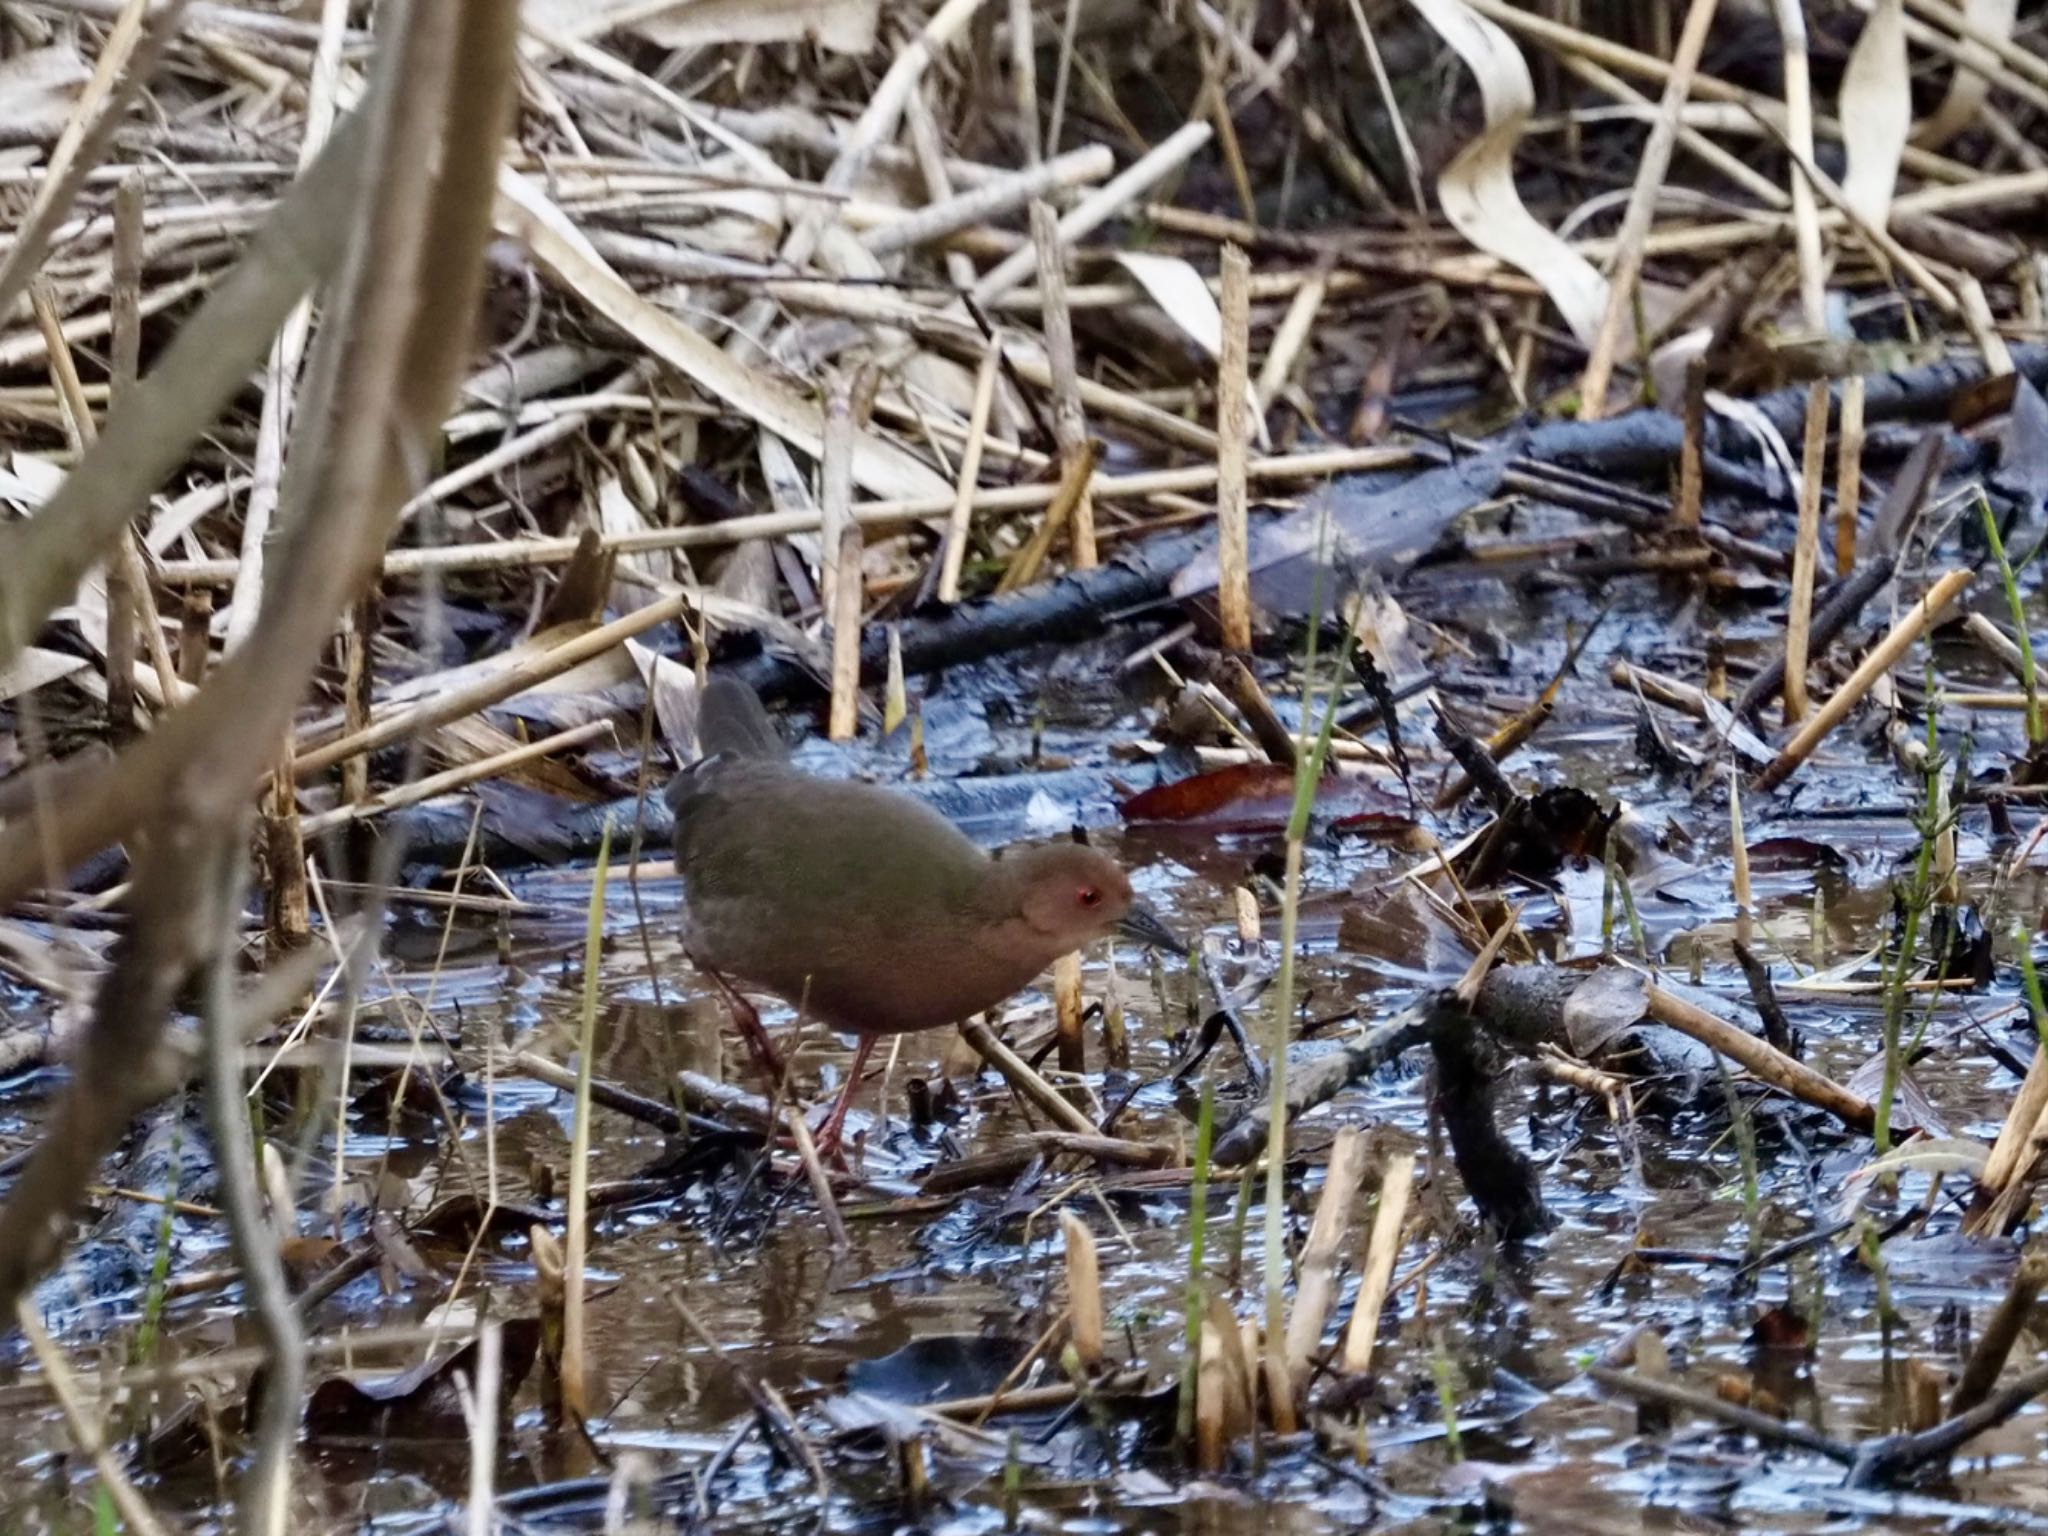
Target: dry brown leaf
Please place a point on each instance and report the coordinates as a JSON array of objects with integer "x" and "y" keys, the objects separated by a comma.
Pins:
[
  {"x": 1477, "y": 189},
  {"x": 524, "y": 213},
  {"x": 1967, "y": 88},
  {"x": 1877, "y": 97}
]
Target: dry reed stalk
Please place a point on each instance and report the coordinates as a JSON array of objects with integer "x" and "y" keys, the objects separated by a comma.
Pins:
[
  {"x": 440, "y": 709},
  {"x": 1291, "y": 335},
  {"x": 1317, "y": 1284},
  {"x": 960, "y": 520},
  {"x": 1691, "y": 481},
  {"x": 1881, "y": 659},
  {"x": 952, "y": 214},
  {"x": 1024, "y": 77},
  {"x": 433, "y": 784},
  {"x": 815, "y": 1174},
  {"x": 1848, "y": 475},
  {"x": 1233, "y": 536},
  {"x": 1757, "y": 185},
  {"x": 519, "y": 554},
  {"x": 1075, "y": 478},
  {"x": 1382, "y": 1248},
  {"x": 1761, "y": 1059},
  {"x": 1805, "y": 551},
  {"x": 1738, "y": 852},
  {"x": 1982, "y": 326},
  {"x": 841, "y": 578},
  {"x": 931, "y": 163},
  {"x": 1651, "y": 170},
  {"x": 1099, "y": 206},
  {"x": 1016, "y": 1071},
  {"x": 1246, "y": 906},
  {"x": 1066, "y": 1001},
  {"x": 1069, "y": 424},
  {"x": 1084, "y": 1291},
  {"x": 1813, "y": 297},
  {"x": 480, "y": 1408},
  {"x": 1882, "y": 243}
]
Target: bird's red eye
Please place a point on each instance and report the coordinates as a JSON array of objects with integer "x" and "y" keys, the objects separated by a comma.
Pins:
[{"x": 1090, "y": 897}]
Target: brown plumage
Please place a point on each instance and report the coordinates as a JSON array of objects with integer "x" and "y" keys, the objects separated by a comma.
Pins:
[{"x": 863, "y": 906}]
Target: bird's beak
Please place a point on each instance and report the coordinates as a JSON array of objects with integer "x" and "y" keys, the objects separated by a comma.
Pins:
[{"x": 1142, "y": 924}]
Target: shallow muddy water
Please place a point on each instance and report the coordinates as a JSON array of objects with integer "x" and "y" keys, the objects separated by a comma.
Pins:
[{"x": 1504, "y": 1334}]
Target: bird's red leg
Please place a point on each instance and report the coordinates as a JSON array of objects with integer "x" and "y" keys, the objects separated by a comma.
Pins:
[
  {"x": 748, "y": 1018},
  {"x": 835, "y": 1123}
]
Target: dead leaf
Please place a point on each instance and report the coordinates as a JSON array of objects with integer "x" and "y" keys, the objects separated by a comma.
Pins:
[
  {"x": 424, "y": 1403},
  {"x": 1877, "y": 97},
  {"x": 674, "y": 687},
  {"x": 1477, "y": 189}
]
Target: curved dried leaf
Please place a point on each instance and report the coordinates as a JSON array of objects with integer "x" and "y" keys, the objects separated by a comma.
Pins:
[
  {"x": 1967, "y": 88},
  {"x": 1176, "y": 287},
  {"x": 1877, "y": 97},
  {"x": 1477, "y": 189}
]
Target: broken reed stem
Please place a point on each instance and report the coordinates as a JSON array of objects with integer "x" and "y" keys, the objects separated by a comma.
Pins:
[
  {"x": 481, "y": 1409},
  {"x": 1805, "y": 551},
  {"x": 1066, "y": 1001},
  {"x": 1291, "y": 336},
  {"x": 2001, "y": 1332},
  {"x": 1233, "y": 554},
  {"x": 287, "y": 908},
  {"x": 575, "y": 1372},
  {"x": 1075, "y": 474},
  {"x": 1381, "y": 1250},
  {"x": 1084, "y": 1291},
  {"x": 1762, "y": 1060},
  {"x": 1099, "y": 206},
  {"x": 1848, "y": 475},
  {"x": 1691, "y": 478},
  {"x": 1626, "y": 271},
  {"x": 1016, "y": 1071},
  {"x": 1069, "y": 424},
  {"x": 843, "y": 546},
  {"x": 2014, "y": 1149},
  {"x": 1317, "y": 1285},
  {"x": 960, "y": 520},
  {"x": 1881, "y": 659}
]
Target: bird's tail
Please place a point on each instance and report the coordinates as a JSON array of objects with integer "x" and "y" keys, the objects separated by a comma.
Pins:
[{"x": 731, "y": 721}]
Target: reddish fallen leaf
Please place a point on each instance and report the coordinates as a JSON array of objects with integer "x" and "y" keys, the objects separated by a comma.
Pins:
[{"x": 1261, "y": 795}]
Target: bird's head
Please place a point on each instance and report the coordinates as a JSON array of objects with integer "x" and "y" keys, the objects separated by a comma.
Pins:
[{"x": 1072, "y": 895}]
